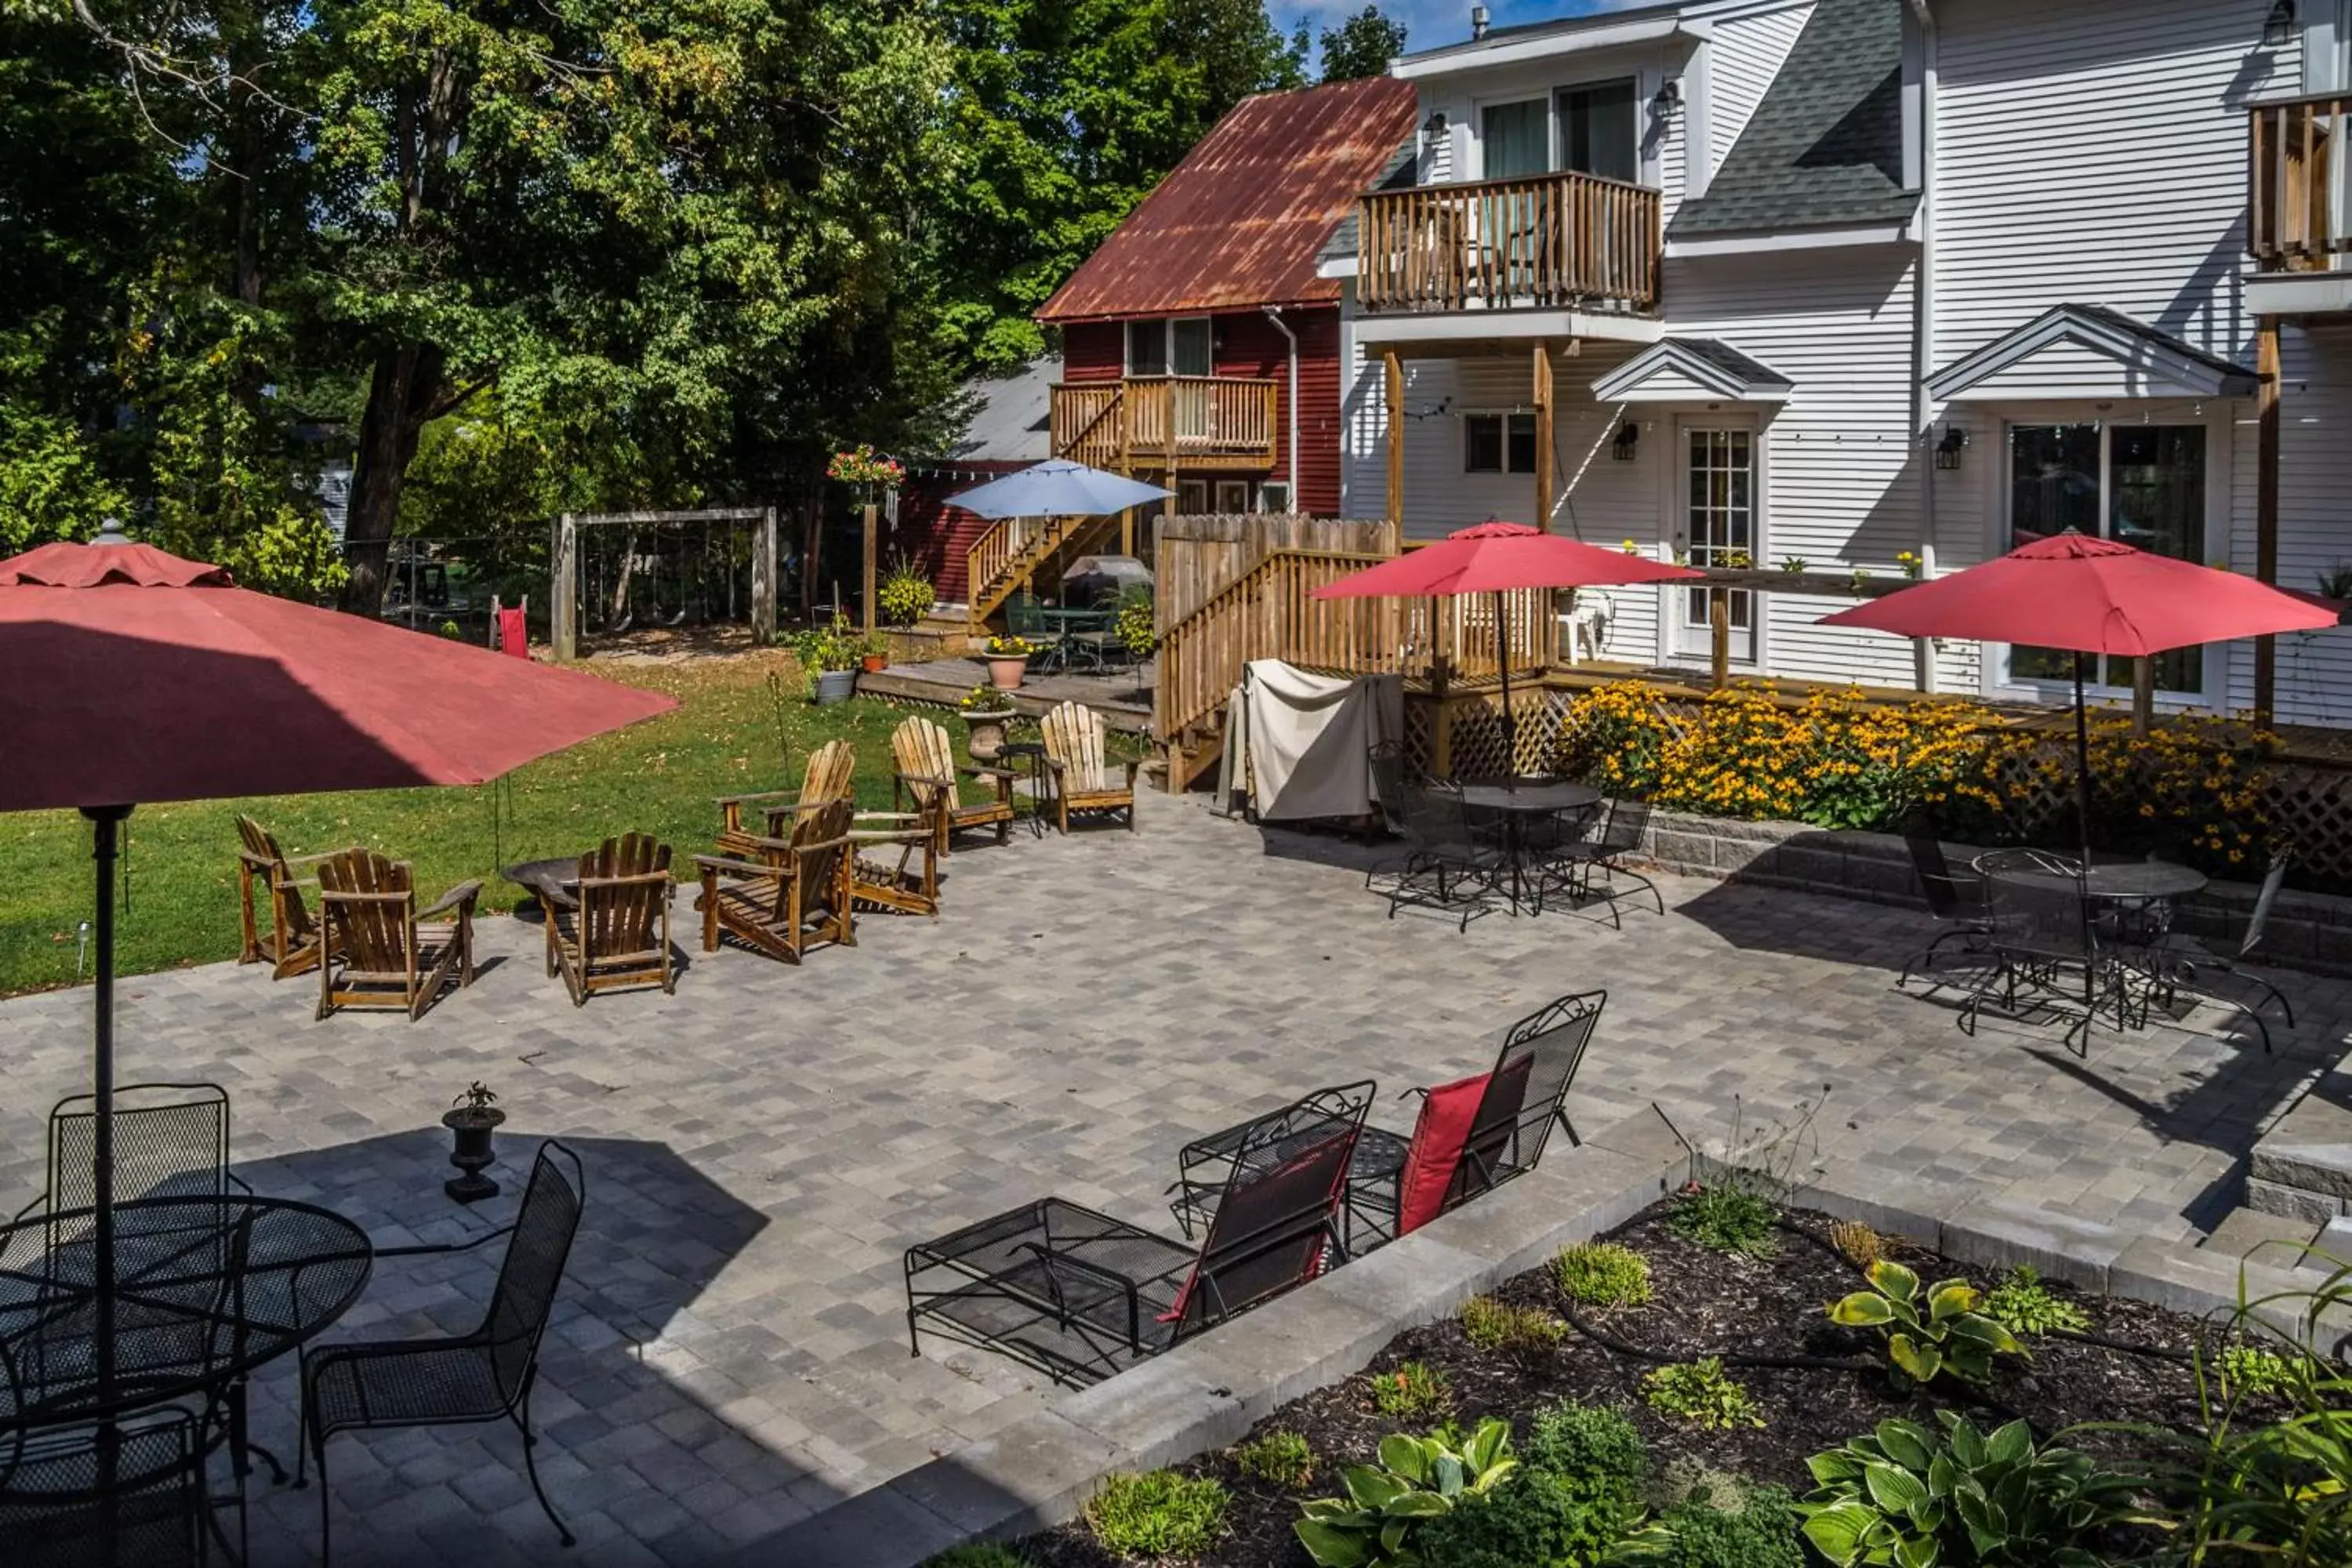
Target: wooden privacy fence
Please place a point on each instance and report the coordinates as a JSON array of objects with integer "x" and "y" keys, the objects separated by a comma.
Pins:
[
  {"x": 1195, "y": 557},
  {"x": 1270, "y": 612},
  {"x": 1539, "y": 241}
]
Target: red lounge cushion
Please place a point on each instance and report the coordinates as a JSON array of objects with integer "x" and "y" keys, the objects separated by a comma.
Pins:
[
  {"x": 514, "y": 634},
  {"x": 1437, "y": 1137},
  {"x": 1269, "y": 1199}
]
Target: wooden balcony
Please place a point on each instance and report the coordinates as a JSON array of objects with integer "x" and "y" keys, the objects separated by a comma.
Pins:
[
  {"x": 1159, "y": 422},
  {"x": 2296, "y": 218},
  {"x": 1563, "y": 241}
]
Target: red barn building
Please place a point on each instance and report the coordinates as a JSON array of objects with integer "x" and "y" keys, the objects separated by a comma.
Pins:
[{"x": 1202, "y": 347}]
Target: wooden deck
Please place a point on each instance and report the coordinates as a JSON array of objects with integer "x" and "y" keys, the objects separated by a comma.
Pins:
[{"x": 1123, "y": 698}]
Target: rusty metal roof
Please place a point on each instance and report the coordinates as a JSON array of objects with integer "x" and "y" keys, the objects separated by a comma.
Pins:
[{"x": 1238, "y": 223}]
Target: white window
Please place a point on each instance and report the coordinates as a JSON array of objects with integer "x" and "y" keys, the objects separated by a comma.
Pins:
[
  {"x": 1274, "y": 495},
  {"x": 1233, "y": 496},
  {"x": 1513, "y": 139},
  {"x": 1498, "y": 443},
  {"x": 1191, "y": 497},
  {"x": 1590, "y": 128},
  {"x": 1182, "y": 345},
  {"x": 1720, "y": 509}
]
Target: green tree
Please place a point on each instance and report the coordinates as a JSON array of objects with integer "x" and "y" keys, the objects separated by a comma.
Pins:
[{"x": 1362, "y": 45}]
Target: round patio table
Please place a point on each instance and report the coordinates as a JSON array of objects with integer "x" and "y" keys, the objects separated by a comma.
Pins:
[
  {"x": 2114, "y": 881},
  {"x": 1519, "y": 802},
  {"x": 204, "y": 1291}
]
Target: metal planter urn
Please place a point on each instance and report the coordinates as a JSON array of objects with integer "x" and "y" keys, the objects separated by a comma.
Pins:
[{"x": 471, "y": 1123}]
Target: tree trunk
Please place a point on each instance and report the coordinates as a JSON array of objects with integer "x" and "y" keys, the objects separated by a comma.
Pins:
[
  {"x": 619, "y": 619},
  {"x": 402, "y": 390}
]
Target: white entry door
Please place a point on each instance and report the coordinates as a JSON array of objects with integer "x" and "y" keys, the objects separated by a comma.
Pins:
[{"x": 1717, "y": 494}]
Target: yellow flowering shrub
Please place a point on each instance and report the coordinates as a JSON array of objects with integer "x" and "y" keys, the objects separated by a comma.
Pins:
[{"x": 2193, "y": 787}]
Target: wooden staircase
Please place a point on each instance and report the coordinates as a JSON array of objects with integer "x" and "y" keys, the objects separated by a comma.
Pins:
[{"x": 1006, "y": 559}]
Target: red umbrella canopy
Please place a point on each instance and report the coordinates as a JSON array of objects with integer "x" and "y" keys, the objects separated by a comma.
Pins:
[
  {"x": 129, "y": 675},
  {"x": 1494, "y": 558},
  {"x": 2090, "y": 595}
]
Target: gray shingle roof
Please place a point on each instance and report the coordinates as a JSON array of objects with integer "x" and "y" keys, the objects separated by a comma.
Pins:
[
  {"x": 1825, "y": 145},
  {"x": 1008, "y": 416},
  {"x": 1395, "y": 174}
]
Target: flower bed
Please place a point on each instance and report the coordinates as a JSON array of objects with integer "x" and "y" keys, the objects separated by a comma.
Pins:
[{"x": 1625, "y": 1444}]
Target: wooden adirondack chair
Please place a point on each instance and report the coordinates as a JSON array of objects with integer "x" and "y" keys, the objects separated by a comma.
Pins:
[
  {"x": 897, "y": 866},
  {"x": 825, "y": 777},
  {"x": 927, "y": 775},
  {"x": 1083, "y": 779},
  {"x": 797, "y": 890},
  {"x": 378, "y": 953},
  {"x": 291, "y": 945},
  {"x": 617, "y": 931}
]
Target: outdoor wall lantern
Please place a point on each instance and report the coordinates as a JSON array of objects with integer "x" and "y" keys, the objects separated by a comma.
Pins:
[
  {"x": 1948, "y": 449},
  {"x": 2278, "y": 28},
  {"x": 1628, "y": 440},
  {"x": 1669, "y": 101},
  {"x": 1435, "y": 126}
]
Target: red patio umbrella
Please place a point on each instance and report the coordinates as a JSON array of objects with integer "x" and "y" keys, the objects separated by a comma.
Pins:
[
  {"x": 132, "y": 675},
  {"x": 2089, "y": 595},
  {"x": 1496, "y": 557}
]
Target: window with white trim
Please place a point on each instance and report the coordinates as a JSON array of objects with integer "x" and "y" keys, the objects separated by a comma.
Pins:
[
  {"x": 1498, "y": 443},
  {"x": 1171, "y": 345}
]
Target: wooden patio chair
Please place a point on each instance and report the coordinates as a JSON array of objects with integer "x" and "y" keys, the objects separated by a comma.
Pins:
[
  {"x": 825, "y": 776},
  {"x": 798, "y": 891},
  {"x": 1083, "y": 778},
  {"x": 378, "y": 951},
  {"x": 616, "y": 934},
  {"x": 292, "y": 944},
  {"x": 927, "y": 777}
]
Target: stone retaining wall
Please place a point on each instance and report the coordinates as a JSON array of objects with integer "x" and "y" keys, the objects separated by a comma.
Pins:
[{"x": 2307, "y": 930}]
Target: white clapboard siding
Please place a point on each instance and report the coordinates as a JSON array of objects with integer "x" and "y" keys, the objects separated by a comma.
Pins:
[
  {"x": 2314, "y": 668},
  {"x": 1745, "y": 54}
]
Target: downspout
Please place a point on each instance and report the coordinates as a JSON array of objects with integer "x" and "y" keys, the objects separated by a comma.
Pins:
[
  {"x": 1273, "y": 314},
  {"x": 1923, "y": 316}
]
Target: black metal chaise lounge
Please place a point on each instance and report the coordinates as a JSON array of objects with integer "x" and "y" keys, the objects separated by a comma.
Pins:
[
  {"x": 1471, "y": 1135},
  {"x": 1080, "y": 1295}
]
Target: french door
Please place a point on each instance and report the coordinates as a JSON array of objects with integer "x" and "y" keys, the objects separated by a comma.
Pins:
[
  {"x": 2143, "y": 485},
  {"x": 1720, "y": 496}
]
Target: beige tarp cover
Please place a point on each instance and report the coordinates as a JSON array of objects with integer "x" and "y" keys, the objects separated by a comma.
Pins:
[{"x": 1301, "y": 740}]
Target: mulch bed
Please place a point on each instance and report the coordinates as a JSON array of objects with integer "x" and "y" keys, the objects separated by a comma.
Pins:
[{"x": 1708, "y": 1303}]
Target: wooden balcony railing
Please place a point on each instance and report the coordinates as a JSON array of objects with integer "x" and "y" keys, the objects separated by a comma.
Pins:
[
  {"x": 1227, "y": 420},
  {"x": 2297, "y": 209},
  {"x": 1545, "y": 241}
]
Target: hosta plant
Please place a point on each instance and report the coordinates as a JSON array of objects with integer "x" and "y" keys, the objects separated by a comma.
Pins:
[
  {"x": 1914, "y": 1497},
  {"x": 1417, "y": 1479},
  {"x": 1929, "y": 1331}
]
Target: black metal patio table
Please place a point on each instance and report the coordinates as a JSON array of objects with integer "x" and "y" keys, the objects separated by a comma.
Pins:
[
  {"x": 554, "y": 882},
  {"x": 1518, "y": 802},
  {"x": 205, "y": 1289}
]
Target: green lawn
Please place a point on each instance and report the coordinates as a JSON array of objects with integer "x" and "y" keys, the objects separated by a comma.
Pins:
[{"x": 658, "y": 777}]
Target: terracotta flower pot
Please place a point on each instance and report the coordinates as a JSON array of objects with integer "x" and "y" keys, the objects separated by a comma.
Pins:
[
  {"x": 874, "y": 663},
  {"x": 1004, "y": 673}
]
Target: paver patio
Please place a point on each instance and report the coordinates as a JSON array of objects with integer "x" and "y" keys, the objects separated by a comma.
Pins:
[{"x": 730, "y": 1352}]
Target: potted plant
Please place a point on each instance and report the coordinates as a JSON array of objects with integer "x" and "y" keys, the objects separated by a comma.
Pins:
[
  {"x": 1134, "y": 626},
  {"x": 1008, "y": 660},
  {"x": 873, "y": 652},
  {"x": 905, "y": 595},
  {"x": 471, "y": 1119},
  {"x": 986, "y": 712},
  {"x": 828, "y": 657}
]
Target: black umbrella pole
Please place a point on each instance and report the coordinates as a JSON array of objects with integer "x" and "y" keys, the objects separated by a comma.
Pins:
[
  {"x": 106, "y": 826},
  {"x": 2081, "y": 763}
]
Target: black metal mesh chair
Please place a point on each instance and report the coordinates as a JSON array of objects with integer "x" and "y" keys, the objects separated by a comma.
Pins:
[
  {"x": 1205, "y": 1165},
  {"x": 128, "y": 1495},
  {"x": 1955, "y": 900},
  {"x": 171, "y": 1139},
  {"x": 2045, "y": 943},
  {"x": 1080, "y": 1295},
  {"x": 2190, "y": 964},
  {"x": 1607, "y": 852},
  {"x": 484, "y": 1375},
  {"x": 1451, "y": 867},
  {"x": 1526, "y": 1093}
]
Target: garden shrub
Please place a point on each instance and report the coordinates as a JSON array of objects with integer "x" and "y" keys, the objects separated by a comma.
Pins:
[
  {"x": 1157, "y": 1514},
  {"x": 1857, "y": 1242},
  {"x": 2193, "y": 787},
  {"x": 1411, "y": 1391},
  {"x": 1760, "y": 1529},
  {"x": 1699, "y": 1392},
  {"x": 1588, "y": 1439},
  {"x": 981, "y": 1554},
  {"x": 1726, "y": 1217},
  {"x": 1938, "y": 1328},
  {"x": 1380, "y": 1520},
  {"x": 1603, "y": 1273},
  {"x": 2250, "y": 1369},
  {"x": 1537, "y": 1519},
  {"x": 2023, "y": 1305},
  {"x": 1521, "y": 1332},
  {"x": 1279, "y": 1458}
]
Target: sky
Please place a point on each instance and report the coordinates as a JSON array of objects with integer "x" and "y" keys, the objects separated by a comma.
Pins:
[{"x": 1432, "y": 23}]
